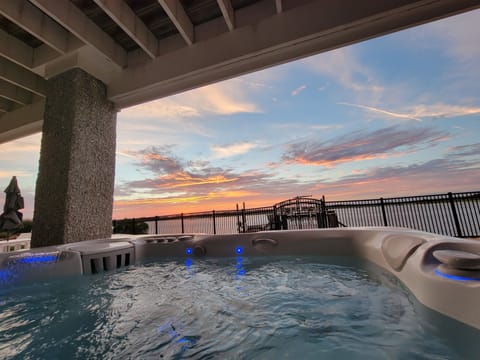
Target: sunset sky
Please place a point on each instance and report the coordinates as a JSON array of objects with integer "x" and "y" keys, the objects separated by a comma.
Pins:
[{"x": 393, "y": 116}]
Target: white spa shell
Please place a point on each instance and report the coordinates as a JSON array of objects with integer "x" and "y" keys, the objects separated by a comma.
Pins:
[{"x": 443, "y": 273}]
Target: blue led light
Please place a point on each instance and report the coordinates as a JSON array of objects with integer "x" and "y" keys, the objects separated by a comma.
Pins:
[
  {"x": 5, "y": 276},
  {"x": 240, "y": 271},
  {"x": 189, "y": 251},
  {"x": 188, "y": 262},
  {"x": 239, "y": 250},
  {"x": 35, "y": 259},
  {"x": 454, "y": 277}
]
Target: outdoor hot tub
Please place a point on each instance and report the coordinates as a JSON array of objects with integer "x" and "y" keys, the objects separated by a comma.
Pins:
[{"x": 366, "y": 292}]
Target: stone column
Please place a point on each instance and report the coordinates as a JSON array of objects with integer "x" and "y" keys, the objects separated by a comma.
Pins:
[{"x": 74, "y": 192}]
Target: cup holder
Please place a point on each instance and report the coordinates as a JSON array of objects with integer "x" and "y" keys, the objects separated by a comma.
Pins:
[{"x": 199, "y": 251}]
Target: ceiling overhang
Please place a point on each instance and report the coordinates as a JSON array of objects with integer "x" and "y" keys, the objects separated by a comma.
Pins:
[{"x": 148, "y": 49}]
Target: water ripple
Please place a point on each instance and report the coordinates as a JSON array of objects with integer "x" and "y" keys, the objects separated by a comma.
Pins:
[{"x": 237, "y": 308}]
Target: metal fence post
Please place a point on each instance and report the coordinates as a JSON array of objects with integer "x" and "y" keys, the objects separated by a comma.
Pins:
[
  {"x": 455, "y": 215},
  {"x": 324, "y": 213},
  {"x": 156, "y": 224},
  {"x": 183, "y": 228},
  {"x": 384, "y": 214},
  {"x": 276, "y": 219},
  {"x": 238, "y": 220},
  {"x": 133, "y": 226},
  {"x": 214, "y": 224},
  {"x": 243, "y": 219}
]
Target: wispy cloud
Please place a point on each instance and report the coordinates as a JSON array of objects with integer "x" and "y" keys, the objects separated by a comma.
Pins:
[
  {"x": 437, "y": 111},
  {"x": 232, "y": 149},
  {"x": 164, "y": 108},
  {"x": 323, "y": 87},
  {"x": 381, "y": 111},
  {"x": 160, "y": 160},
  {"x": 140, "y": 131},
  {"x": 175, "y": 180},
  {"x": 414, "y": 179},
  {"x": 125, "y": 154},
  {"x": 344, "y": 67},
  {"x": 179, "y": 185},
  {"x": 153, "y": 196},
  {"x": 298, "y": 90},
  {"x": 322, "y": 127},
  {"x": 224, "y": 98},
  {"x": 432, "y": 171},
  {"x": 172, "y": 172},
  {"x": 29, "y": 144},
  {"x": 361, "y": 145},
  {"x": 458, "y": 36},
  {"x": 465, "y": 150},
  {"x": 182, "y": 198},
  {"x": 326, "y": 127},
  {"x": 455, "y": 41},
  {"x": 419, "y": 112}
]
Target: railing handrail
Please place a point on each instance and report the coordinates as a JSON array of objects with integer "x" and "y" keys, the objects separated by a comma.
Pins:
[
  {"x": 434, "y": 213},
  {"x": 327, "y": 203}
]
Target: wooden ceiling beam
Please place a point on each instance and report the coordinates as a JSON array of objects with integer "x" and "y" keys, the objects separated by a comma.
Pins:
[
  {"x": 228, "y": 13},
  {"x": 80, "y": 25},
  {"x": 279, "y": 6},
  {"x": 124, "y": 17},
  {"x": 22, "y": 77},
  {"x": 180, "y": 19},
  {"x": 35, "y": 22},
  {"x": 13, "y": 93}
]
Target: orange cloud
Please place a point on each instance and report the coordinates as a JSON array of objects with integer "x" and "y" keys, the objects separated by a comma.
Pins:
[
  {"x": 361, "y": 145},
  {"x": 223, "y": 98},
  {"x": 150, "y": 156},
  {"x": 182, "y": 179},
  {"x": 178, "y": 204},
  {"x": 331, "y": 163}
]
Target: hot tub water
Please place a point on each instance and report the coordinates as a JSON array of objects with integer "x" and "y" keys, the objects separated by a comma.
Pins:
[{"x": 235, "y": 308}]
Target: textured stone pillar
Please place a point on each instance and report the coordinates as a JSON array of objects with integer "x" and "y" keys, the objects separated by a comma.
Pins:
[{"x": 74, "y": 192}]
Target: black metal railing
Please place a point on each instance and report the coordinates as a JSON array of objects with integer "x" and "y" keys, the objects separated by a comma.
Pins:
[{"x": 452, "y": 214}]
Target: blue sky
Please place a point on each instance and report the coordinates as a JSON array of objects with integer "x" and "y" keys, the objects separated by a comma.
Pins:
[{"x": 393, "y": 116}]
